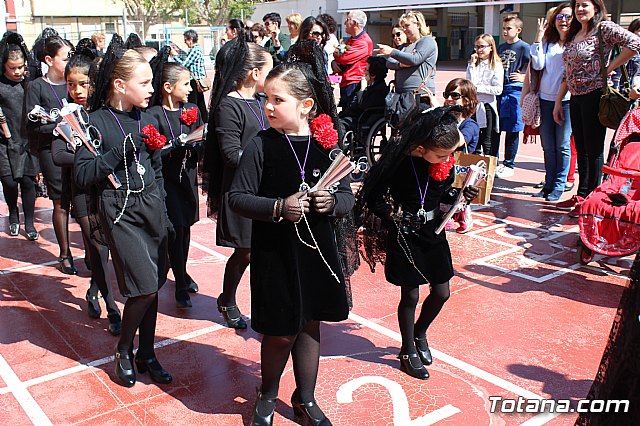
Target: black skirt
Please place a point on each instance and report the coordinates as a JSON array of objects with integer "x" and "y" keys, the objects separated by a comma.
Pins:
[
  {"x": 138, "y": 242},
  {"x": 52, "y": 173},
  {"x": 429, "y": 252}
]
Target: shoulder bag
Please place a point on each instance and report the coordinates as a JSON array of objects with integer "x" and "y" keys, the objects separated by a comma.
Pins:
[{"x": 613, "y": 104}]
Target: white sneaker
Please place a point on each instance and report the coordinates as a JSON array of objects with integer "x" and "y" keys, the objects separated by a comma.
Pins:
[{"x": 504, "y": 172}]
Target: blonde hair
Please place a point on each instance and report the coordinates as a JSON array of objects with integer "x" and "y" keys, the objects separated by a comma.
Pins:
[
  {"x": 294, "y": 19},
  {"x": 125, "y": 68},
  {"x": 417, "y": 17},
  {"x": 95, "y": 37},
  {"x": 494, "y": 59},
  {"x": 515, "y": 18}
]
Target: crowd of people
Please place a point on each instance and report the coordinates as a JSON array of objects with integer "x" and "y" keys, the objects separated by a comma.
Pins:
[{"x": 131, "y": 180}]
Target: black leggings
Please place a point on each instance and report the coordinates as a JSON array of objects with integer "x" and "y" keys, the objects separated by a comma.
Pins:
[
  {"x": 98, "y": 255},
  {"x": 28, "y": 190},
  {"x": 488, "y": 136},
  {"x": 233, "y": 271},
  {"x": 178, "y": 255},
  {"x": 589, "y": 137},
  {"x": 140, "y": 312},
  {"x": 409, "y": 327}
]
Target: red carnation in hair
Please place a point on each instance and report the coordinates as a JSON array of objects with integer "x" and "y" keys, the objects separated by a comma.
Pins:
[
  {"x": 324, "y": 132},
  {"x": 189, "y": 116},
  {"x": 440, "y": 171},
  {"x": 155, "y": 140}
]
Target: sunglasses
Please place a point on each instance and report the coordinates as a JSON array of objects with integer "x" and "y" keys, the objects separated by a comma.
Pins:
[
  {"x": 398, "y": 34},
  {"x": 481, "y": 46},
  {"x": 453, "y": 95},
  {"x": 316, "y": 33},
  {"x": 561, "y": 16},
  {"x": 268, "y": 23}
]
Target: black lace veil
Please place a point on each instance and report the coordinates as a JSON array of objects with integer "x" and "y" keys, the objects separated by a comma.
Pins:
[
  {"x": 157, "y": 67},
  {"x": 133, "y": 41},
  {"x": 112, "y": 55}
]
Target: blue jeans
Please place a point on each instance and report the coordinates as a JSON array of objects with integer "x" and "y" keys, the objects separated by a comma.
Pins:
[
  {"x": 556, "y": 144},
  {"x": 511, "y": 142}
]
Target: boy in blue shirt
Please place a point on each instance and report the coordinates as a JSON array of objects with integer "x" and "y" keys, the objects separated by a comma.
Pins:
[{"x": 515, "y": 57}]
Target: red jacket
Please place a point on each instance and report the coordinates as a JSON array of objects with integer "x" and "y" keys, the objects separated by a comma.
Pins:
[{"x": 361, "y": 47}]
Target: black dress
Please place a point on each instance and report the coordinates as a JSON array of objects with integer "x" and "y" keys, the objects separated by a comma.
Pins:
[
  {"x": 48, "y": 96},
  {"x": 430, "y": 252},
  {"x": 16, "y": 159},
  {"x": 138, "y": 241},
  {"x": 179, "y": 166},
  {"x": 290, "y": 284},
  {"x": 236, "y": 126}
]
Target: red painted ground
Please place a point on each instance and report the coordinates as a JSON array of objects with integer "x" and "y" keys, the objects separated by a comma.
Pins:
[{"x": 524, "y": 319}]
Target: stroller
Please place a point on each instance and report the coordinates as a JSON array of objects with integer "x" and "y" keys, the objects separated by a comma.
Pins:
[{"x": 609, "y": 217}]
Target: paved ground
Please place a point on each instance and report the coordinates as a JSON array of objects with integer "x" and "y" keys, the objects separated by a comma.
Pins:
[{"x": 525, "y": 319}]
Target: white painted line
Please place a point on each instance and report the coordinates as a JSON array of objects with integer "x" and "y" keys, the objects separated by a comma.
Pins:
[
  {"x": 540, "y": 419},
  {"x": 22, "y": 395},
  {"x": 30, "y": 266},
  {"x": 21, "y": 213},
  {"x": 208, "y": 250},
  {"x": 437, "y": 415},
  {"x": 108, "y": 359},
  {"x": 475, "y": 371}
]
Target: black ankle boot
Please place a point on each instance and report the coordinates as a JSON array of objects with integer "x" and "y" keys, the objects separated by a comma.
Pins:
[
  {"x": 412, "y": 365},
  {"x": 423, "y": 350},
  {"x": 69, "y": 270},
  {"x": 232, "y": 322},
  {"x": 256, "y": 418},
  {"x": 157, "y": 373},
  {"x": 302, "y": 410},
  {"x": 125, "y": 374},
  {"x": 115, "y": 324},
  {"x": 93, "y": 306}
]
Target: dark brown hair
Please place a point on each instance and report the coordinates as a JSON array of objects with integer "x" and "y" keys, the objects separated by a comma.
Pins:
[
  {"x": 297, "y": 84},
  {"x": 551, "y": 34},
  {"x": 599, "y": 16},
  {"x": 469, "y": 94}
]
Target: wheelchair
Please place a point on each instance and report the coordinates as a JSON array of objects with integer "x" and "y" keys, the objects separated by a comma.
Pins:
[{"x": 369, "y": 135}]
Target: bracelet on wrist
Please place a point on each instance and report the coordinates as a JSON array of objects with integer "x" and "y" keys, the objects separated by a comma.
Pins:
[{"x": 277, "y": 210}]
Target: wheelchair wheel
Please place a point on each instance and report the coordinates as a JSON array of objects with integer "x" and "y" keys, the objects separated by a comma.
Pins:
[{"x": 379, "y": 136}]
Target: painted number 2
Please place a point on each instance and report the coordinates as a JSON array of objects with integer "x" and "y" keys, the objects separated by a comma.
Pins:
[{"x": 399, "y": 401}]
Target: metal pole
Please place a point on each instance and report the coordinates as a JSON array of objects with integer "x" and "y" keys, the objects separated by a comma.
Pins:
[{"x": 124, "y": 22}]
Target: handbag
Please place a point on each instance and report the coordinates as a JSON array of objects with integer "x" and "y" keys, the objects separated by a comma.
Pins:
[
  {"x": 531, "y": 101},
  {"x": 398, "y": 107},
  {"x": 202, "y": 84},
  {"x": 613, "y": 104}
]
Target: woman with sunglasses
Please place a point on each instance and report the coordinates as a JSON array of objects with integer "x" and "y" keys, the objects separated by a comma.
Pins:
[
  {"x": 583, "y": 79},
  {"x": 415, "y": 63},
  {"x": 398, "y": 36},
  {"x": 314, "y": 29},
  {"x": 485, "y": 71},
  {"x": 546, "y": 59}
]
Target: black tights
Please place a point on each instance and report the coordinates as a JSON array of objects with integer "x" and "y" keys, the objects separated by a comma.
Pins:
[
  {"x": 28, "y": 190},
  {"x": 178, "y": 255},
  {"x": 304, "y": 348},
  {"x": 98, "y": 255},
  {"x": 236, "y": 265},
  {"x": 140, "y": 312},
  {"x": 61, "y": 227},
  {"x": 409, "y": 328}
]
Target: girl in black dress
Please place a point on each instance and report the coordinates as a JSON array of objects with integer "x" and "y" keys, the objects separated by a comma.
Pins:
[
  {"x": 133, "y": 216},
  {"x": 237, "y": 114},
  {"x": 78, "y": 73},
  {"x": 48, "y": 92},
  {"x": 417, "y": 174},
  {"x": 17, "y": 165},
  {"x": 176, "y": 117},
  {"x": 296, "y": 275}
]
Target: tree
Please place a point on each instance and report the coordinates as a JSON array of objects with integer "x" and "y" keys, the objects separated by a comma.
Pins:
[
  {"x": 151, "y": 12},
  {"x": 218, "y": 12}
]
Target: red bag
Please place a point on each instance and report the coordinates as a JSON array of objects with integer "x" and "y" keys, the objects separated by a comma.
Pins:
[{"x": 530, "y": 134}]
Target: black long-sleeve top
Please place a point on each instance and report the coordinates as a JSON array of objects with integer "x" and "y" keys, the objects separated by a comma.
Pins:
[
  {"x": 48, "y": 96},
  {"x": 90, "y": 170}
]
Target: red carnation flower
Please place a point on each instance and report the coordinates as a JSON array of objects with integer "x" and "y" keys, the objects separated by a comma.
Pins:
[
  {"x": 189, "y": 116},
  {"x": 155, "y": 140},
  {"x": 324, "y": 132},
  {"x": 440, "y": 171}
]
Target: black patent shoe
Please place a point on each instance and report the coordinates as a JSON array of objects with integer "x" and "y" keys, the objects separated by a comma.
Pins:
[
  {"x": 156, "y": 372},
  {"x": 192, "y": 287},
  {"x": 183, "y": 303},
  {"x": 235, "y": 321},
  {"x": 32, "y": 235},
  {"x": 125, "y": 374},
  {"x": 69, "y": 270},
  {"x": 93, "y": 306},
  {"x": 412, "y": 365},
  {"x": 115, "y": 324},
  {"x": 258, "y": 419},
  {"x": 301, "y": 411},
  {"x": 423, "y": 350}
]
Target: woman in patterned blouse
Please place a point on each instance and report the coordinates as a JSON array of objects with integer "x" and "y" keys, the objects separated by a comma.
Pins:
[{"x": 584, "y": 80}]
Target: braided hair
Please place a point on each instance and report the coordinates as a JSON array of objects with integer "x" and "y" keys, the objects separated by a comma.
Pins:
[
  {"x": 114, "y": 53},
  {"x": 83, "y": 59}
]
